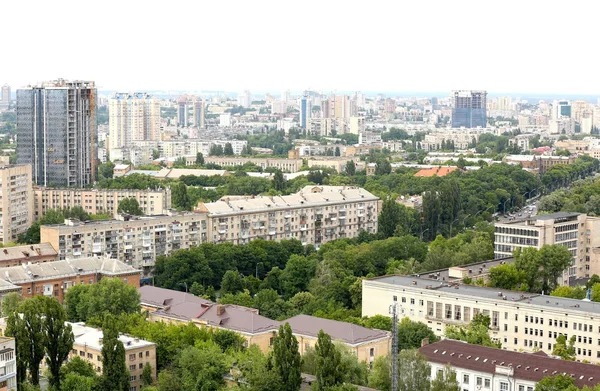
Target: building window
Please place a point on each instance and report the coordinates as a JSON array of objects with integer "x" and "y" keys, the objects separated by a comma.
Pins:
[
  {"x": 479, "y": 381},
  {"x": 141, "y": 355},
  {"x": 503, "y": 386},
  {"x": 132, "y": 357},
  {"x": 132, "y": 367},
  {"x": 147, "y": 353},
  {"x": 140, "y": 366},
  {"x": 99, "y": 357},
  {"x": 487, "y": 383},
  {"x": 82, "y": 353},
  {"x": 465, "y": 378},
  {"x": 372, "y": 352}
]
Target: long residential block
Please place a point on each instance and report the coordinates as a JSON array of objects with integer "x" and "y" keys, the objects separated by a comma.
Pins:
[
  {"x": 97, "y": 201},
  {"x": 520, "y": 321},
  {"x": 137, "y": 241},
  {"x": 16, "y": 201},
  {"x": 314, "y": 215}
]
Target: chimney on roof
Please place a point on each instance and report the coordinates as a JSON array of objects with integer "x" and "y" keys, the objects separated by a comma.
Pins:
[
  {"x": 425, "y": 342},
  {"x": 220, "y": 309}
]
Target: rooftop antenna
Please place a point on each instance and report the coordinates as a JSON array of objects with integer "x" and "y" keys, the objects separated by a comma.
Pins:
[{"x": 394, "y": 313}]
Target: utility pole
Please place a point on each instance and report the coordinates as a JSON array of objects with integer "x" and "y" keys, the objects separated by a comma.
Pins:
[{"x": 394, "y": 313}]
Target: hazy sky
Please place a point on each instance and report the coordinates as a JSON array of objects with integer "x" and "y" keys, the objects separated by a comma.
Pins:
[{"x": 393, "y": 45}]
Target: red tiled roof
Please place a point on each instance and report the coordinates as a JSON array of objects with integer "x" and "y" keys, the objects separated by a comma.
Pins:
[
  {"x": 526, "y": 366},
  {"x": 439, "y": 171}
]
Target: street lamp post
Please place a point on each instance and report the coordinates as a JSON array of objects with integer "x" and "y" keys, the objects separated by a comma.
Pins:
[
  {"x": 451, "y": 224},
  {"x": 186, "y": 287},
  {"x": 422, "y": 232},
  {"x": 504, "y": 208}
]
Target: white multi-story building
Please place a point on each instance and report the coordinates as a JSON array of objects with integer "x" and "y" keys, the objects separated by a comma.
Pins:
[
  {"x": 97, "y": 201},
  {"x": 520, "y": 321},
  {"x": 577, "y": 232},
  {"x": 321, "y": 127},
  {"x": 133, "y": 117},
  {"x": 481, "y": 368},
  {"x": 8, "y": 364}
]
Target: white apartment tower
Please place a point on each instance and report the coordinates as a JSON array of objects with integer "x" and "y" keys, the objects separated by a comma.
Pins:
[{"x": 133, "y": 117}]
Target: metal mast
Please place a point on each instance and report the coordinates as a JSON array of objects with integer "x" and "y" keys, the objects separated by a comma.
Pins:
[{"x": 394, "y": 313}]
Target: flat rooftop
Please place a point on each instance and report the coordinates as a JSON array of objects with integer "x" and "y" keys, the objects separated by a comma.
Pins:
[
  {"x": 477, "y": 292},
  {"x": 556, "y": 216},
  {"x": 91, "y": 337}
]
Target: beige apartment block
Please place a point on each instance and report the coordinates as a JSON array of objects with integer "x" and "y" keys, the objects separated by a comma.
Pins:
[
  {"x": 138, "y": 352},
  {"x": 576, "y": 231},
  {"x": 286, "y": 165},
  {"x": 337, "y": 163},
  {"x": 16, "y": 201},
  {"x": 137, "y": 241},
  {"x": 314, "y": 215},
  {"x": 96, "y": 201},
  {"x": 133, "y": 117},
  {"x": 520, "y": 321}
]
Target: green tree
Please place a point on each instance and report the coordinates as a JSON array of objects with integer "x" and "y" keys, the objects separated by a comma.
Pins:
[
  {"x": 228, "y": 150},
  {"x": 180, "y": 197},
  {"x": 77, "y": 366},
  {"x": 232, "y": 282},
  {"x": 297, "y": 274},
  {"x": 199, "y": 159},
  {"x": 201, "y": 369},
  {"x": 32, "y": 236},
  {"x": 411, "y": 334},
  {"x": 146, "y": 375},
  {"x": 380, "y": 375},
  {"x": 413, "y": 371},
  {"x": 10, "y": 303},
  {"x": 279, "y": 182},
  {"x": 130, "y": 206},
  {"x": 155, "y": 154},
  {"x": 564, "y": 350},
  {"x": 227, "y": 339},
  {"x": 328, "y": 362},
  {"x": 285, "y": 359},
  {"x": 554, "y": 260},
  {"x": 389, "y": 218},
  {"x": 445, "y": 380},
  {"x": 383, "y": 167},
  {"x": 27, "y": 327},
  {"x": 216, "y": 150},
  {"x": 58, "y": 337},
  {"x": 109, "y": 296},
  {"x": 557, "y": 382},
  {"x": 477, "y": 332},
  {"x": 115, "y": 374},
  {"x": 76, "y": 212},
  {"x": 106, "y": 170},
  {"x": 350, "y": 168},
  {"x": 75, "y": 382},
  {"x": 337, "y": 151},
  {"x": 506, "y": 276}
]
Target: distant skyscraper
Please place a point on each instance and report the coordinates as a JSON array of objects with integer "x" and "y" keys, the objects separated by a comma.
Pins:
[
  {"x": 304, "y": 111},
  {"x": 182, "y": 112},
  {"x": 56, "y": 132},
  {"x": 561, "y": 108},
  {"x": 199, "y": 107},
  {"x": 133, "y": 117},
  {"x": 244, "y": 99},
  {"x": 5, "y": 99},
  {"x": 469, "y": 109}
]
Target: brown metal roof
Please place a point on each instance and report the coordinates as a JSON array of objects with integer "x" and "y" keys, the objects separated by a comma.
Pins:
[
  {"x": 526, "y": 366},
  {"x": 342, "y": 331},
  {"x": 161, "y": 297}
]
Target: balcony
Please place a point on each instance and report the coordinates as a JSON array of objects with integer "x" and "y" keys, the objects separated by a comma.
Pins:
[{"x": 303, "y": 227}]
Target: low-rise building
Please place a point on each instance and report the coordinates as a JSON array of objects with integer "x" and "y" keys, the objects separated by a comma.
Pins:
[
  {"x": 99, "y": 201},
  {"x": 367, "y": 344},
  {"x": 138, "y": 241},
  {"x": 576, "y": 231},
  {"x": 538, "y": 164},
  {"x": 483, "y": 368},
  {"x": 338, "y": 164},
  {"x": 138, "y": 352},
  {"x": 54, "y": 279},
  {"x": 19, "y": 255},
  {"x": 520, "y": 321},
  {"x": 286, "y": 165}
]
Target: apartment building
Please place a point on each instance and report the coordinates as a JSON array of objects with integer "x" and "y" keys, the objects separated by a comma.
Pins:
[
  {"x": 54, "y": 279},
  {"x": 133, "y": 117},
  {"x": 62, "y": 148},
  {"x": 572, "y": 230},
  {"x": 138, "y": 352},
  {"x": 314, "y": 215},
  {"x": 286, "y": 165},
  {"x": 16, "y": 201},
  {"x": 137, "y": 241},
  {"x": 520, "y": 321},
  {"x": 481, "y": 368},
  {"x": 337, "y": 163},
  {"x": 8, "y": 366},
  {"x": 96, "y": 201},
  {"x": 538, "y": 164},
  {"x": 321, "y": 127}
]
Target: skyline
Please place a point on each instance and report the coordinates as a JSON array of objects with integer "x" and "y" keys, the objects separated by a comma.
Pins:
[{"x": 321, "y": 45}]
